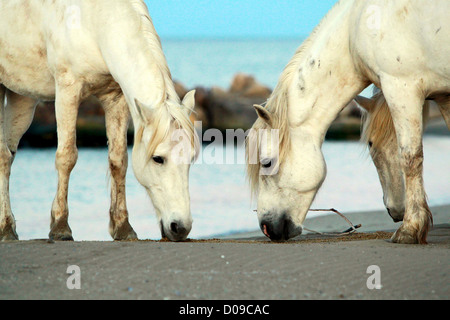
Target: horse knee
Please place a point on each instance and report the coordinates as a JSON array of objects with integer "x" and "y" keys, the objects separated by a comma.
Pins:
[
  {"x": 66, "y": 158},
  {"x": 412, "y": 163},
  {"x": 6, "y": 158},
  {"x": 118, "y": 163}
]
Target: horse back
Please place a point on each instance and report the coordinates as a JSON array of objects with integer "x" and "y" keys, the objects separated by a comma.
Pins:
[
  {"x": 40, "y": 39},
  {"x": 407, "y": 39}
]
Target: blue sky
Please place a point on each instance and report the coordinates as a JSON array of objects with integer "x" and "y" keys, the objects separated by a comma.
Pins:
[{"x": 237, "y": 18}]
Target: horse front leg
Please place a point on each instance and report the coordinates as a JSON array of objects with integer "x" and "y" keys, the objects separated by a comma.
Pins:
[
  {"x": 406, "y": 110},
  {"x": 117, "y": 120},
  {"x": 66, "y": 109},
  {"x": 7, "y": 221}
]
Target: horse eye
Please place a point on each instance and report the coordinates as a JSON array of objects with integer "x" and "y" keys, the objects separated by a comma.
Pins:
[
  {"x": 267, "y": 164},
  {"x": 370, "y": 144},
  {"x": 159, "y": 160}
]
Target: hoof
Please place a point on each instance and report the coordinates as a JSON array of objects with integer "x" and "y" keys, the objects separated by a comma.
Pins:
[
  {"x": 124, "y": 233},
  {"x": 8, "y": 229},
  {"x": 405, "y": 236},
  {"x": 8, "y": 234},
  {"x": 60, "y": 232},
  {"x": 60, "y": 237}
]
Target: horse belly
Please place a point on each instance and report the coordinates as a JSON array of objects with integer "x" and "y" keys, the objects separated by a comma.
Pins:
[
  {"x": 23, "y": 55},
  {"x": 22, "y": 77}
]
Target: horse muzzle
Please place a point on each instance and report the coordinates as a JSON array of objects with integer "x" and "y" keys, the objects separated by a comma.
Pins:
[
  {"x": 280, "y": 229},
  {"x": 396, "y": 215},
  {"x": 176, "y": 231}
]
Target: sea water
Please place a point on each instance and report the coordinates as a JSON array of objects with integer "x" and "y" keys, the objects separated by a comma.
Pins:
[
  {"x": 211, "y": 62},
  {"x": 220, "y": 197}
]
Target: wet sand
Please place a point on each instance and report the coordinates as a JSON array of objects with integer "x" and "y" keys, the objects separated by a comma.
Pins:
[{"x": 238, "y": 267}]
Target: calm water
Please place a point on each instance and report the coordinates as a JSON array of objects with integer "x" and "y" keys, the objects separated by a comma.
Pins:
[
  {"x": 220, "y": 198},
  {"x": 214, "y": 62}
]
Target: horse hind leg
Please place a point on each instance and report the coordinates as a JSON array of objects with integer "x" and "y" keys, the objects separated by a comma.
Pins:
[
  {"x": 19, "y": 115},
  {"x": 406, "y": 110},
  {"x": 7, "y": 221},
  {"x": 117, "y": 120},
  {"x": 66, "y": 110},
  {"x": 15, "y": 119}
]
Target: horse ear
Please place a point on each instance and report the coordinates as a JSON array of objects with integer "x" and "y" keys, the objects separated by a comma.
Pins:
[
  {"x": 189, "y": 101},
  {"x": 366, "y": 103},
  {"x": 263, "y": 114}
]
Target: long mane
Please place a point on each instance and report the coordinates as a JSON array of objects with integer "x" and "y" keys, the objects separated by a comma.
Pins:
[
  {"x": 378, "y": 126},
  {"x": 154, "y": 47},
  {"x": 277, "y": 105},
  {"x": 165, "y": 118},
  {"x": 170, "y": 113}
]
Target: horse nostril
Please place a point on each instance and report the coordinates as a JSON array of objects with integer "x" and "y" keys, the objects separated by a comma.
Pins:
[
  {"x": 281, "y": 229},
  {"x": 265, "y": 231},
  {"x": 178, "y": 229},
  {"x": 174, "y": 227},
  {"x": 271, "y": 231}
]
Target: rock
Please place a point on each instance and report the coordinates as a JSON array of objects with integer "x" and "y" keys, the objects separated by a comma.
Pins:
[
  {"x": 232, "y": 109},
  {"x": 224, "y": 110},
  {"x": 247, "y": 86},
  {"x": 200, "y": 113},
  {"x": 258, "y": 91},
  {"x": 91, "y": 130},
  {"x": 241, "y": 82},
  {"x": 215, "y": 108},
  {"x": 347, "y": 126}
]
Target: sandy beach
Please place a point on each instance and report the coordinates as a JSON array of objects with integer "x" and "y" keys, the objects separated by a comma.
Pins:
[{"x": 238, "y": 267}]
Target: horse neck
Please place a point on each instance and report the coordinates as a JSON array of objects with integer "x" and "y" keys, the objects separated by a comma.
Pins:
[
  {"x": 324, "y": 78},
  {"x": 133, "y": 54}
]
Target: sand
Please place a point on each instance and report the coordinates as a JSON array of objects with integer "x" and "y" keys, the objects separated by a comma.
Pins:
[{"x": 237, "y": 267}]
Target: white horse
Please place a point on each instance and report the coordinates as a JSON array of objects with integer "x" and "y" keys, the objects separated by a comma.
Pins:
[
  {"x": 379, "y": 135},
  {"x": 403, "y": 47},
  {"x": 69, "y": 50}
]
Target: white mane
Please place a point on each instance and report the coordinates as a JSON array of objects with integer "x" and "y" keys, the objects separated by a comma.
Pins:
[{"x": 155, "y": 48}]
